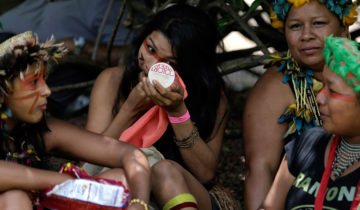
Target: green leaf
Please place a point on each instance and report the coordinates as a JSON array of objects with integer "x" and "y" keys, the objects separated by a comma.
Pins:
[
  {"x": 253, "y": 6},
  {"x": 225, "y": 149},
  {"x": 1, "y": 26},
  {"x": 240, "y": 4},
  {"x": 224, "y": 22}
]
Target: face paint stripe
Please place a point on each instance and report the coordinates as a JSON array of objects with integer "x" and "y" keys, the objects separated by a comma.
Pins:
[
  {"x": 36, "y": 95},
  {"x": 26, "y": 85},
  {"x": 26, "y": 97},
  {"x": 26, "y": 82},
  {"x": 153, "y": 54},
  {"x": 337, "y": 96},
  {"x": 33, "y": 105}
]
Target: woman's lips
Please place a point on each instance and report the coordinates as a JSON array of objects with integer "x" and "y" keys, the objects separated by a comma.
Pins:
[
  {"x": 310, "y": 50},
  {"x": 323, "y": 116},
  {"x": 43, "y": 107}
]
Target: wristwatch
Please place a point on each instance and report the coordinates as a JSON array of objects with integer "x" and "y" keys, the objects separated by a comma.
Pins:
[{"x": 79, "y": 43}]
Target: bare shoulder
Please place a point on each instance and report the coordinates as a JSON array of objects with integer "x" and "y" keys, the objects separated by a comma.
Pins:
[
  {"x": 270, "y": 90},
  {"x": 106, "y": 85},
  {"x": 102, "y": 98},
  {"x": 262, "y": 134},
  {"x": 110, "y": 77}
]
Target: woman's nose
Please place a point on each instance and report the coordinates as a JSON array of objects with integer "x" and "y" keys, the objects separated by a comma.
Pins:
[
  {"x": 45, "y": 90},
  {"x": 307, "y": 33},
  {"x": 321, "y": 96},
  {"x": 149, "y": 62}
]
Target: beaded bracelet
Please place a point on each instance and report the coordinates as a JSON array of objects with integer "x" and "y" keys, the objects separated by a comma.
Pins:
[
  {"x": 141, "y": 202},
  {"x": 188, "y": 141}
]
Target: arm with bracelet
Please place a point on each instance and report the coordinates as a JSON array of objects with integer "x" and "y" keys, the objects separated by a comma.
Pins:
[
  {"x": 145, "y": 112},
  {"x": 199, "y": 155},
  {"x": 167, "y": 89}
]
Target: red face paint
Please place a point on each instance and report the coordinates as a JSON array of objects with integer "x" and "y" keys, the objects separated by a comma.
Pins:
[
  {"x": 32, "y": 82},
  {"x": 338, "y": 96},
  {"x": 36, "y": 95},
  {"x": 155, "y": 55}
]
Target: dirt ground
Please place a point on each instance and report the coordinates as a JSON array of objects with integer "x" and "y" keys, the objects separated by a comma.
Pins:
[
  {"x": 230, "y": 172},
  {"x": 231, "y": 164}
]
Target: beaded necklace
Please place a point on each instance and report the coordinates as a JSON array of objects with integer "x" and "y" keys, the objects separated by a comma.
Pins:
[
  {"x": 320, "y": 196},
  {"x": 303, "y": 114},
  {"x": 345, "y": 156},
  {"x": 27, "y": 154}
]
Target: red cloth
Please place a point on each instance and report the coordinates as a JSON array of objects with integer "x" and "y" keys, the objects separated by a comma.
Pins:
[
  {"x": 319, "y": 199},
  {"x": 151, "y": 126}
]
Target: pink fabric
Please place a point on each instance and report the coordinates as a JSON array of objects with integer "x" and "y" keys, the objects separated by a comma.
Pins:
[{"x": 151, "y": 126}]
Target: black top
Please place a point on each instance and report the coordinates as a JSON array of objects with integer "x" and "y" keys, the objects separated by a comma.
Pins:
[{"x": 305, "y": 156}]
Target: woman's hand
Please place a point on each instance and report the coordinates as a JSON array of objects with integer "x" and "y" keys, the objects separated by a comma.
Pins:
[
  {"x": 171, "y": 98},
  {"x": 138, "y": 100}
]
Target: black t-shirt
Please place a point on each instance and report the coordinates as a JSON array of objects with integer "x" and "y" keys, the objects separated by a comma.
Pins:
[{"x": 305, "y": 156}]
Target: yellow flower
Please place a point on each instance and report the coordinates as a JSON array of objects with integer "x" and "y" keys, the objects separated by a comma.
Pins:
[
  {"x": 275, "y": 22},
  {"x": 278, "y": 24},
  {"x": 273, "y": 15},
  {"x": 298, "y": 3},
  {"x": 352, "y": 17}
]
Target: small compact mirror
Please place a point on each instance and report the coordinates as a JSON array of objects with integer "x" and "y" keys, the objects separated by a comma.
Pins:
[{"x": 163, "y": 73}]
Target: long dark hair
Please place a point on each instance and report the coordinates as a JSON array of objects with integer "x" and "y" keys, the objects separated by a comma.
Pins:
[
  {"x": 194, "y": 37},
  {"x": 23, "y": 134}
]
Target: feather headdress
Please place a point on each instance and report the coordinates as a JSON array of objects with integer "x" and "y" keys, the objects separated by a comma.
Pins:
[
  {"x": 344, "y": 9},
  {"x": 343, "y": 58},
  {"x": 20, "y": 51}
]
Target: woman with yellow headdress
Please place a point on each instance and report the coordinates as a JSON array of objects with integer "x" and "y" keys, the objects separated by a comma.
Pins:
[{"x": 282, "y": 103}]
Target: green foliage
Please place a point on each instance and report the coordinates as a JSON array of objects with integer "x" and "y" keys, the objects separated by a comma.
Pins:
[
  {"x": 236, "y": 4},
  {"x": 224, "y": 22},
  {"x": 226, "y": 149},
  {"x": 253, "y": 6}
]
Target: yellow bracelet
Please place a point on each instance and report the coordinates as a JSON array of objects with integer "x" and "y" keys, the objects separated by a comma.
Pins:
[{"x": 141, "y": 202}]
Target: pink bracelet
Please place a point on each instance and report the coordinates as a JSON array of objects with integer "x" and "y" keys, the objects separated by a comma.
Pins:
[{"x": 176, "y": 120}]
